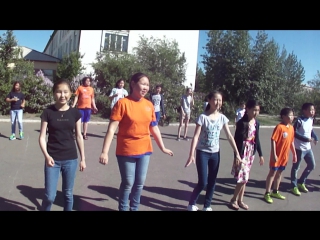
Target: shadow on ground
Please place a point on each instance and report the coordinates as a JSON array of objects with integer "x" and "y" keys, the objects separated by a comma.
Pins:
[{"x": 35, "y": 196}]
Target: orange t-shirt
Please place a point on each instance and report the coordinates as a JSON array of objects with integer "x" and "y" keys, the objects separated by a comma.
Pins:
[
  {"x": 283, "y": 136},
  {"x": 135, "y": 118},
  {"x": 85, "y": 95}
]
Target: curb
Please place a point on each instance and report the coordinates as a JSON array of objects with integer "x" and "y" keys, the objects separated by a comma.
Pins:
[{"x": 107, "y": 121}]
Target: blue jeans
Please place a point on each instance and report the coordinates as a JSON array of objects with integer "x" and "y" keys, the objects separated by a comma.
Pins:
[
  {"x": 207, "y": 168},
  {"x": 51, "y": 176},
  {"x": 133, "y": 173},
  {"x": 309, "y": 158},
  {"x": 158, "y": 116},
  {"x": 16, "y": 115}
]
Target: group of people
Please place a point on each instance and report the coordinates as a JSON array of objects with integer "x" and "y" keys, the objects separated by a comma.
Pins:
[
  {"x": 135, "y": 115},
  {"x": 205, "y": 151}
]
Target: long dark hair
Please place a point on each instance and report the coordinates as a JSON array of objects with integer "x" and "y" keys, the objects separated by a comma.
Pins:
[
  {"x": 84, "y": 80},
  {"x": 13, "y": 86},
  {"x": 117, "y": 82},
  {"x": 211, "y": 95},
  {"x": 243, "y": 124}
]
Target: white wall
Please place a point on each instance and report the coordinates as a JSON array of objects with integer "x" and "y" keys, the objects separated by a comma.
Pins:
[
  {"x": 188, "y": 41},
  {"x": 89, "y": 46}
]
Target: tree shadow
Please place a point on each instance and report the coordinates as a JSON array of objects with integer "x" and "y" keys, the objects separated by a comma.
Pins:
[
  {"x": 79, "y": 204},
  {"x": 10, "y": 205},
  {"x": 146, "y": 201}
]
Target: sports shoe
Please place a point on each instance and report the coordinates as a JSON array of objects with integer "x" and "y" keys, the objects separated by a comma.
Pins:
[
  {"x": 296, "y": 191},
  {"x": 192, "y": 208},
  {"x": 12, "y": 137},
  {"x": 302, "y": 187},
  {"x": 277, "y": 195},
  {"x": 268, "y": 198},
  {"x": 178, "y": 139},
  {"x": 21, "y": 135},
  {"x": 186, "y": 138},
  {"x": 207, "y": 209}
]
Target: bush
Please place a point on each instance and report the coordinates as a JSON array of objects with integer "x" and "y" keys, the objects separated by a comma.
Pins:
[{"x": 103, "y": 104}]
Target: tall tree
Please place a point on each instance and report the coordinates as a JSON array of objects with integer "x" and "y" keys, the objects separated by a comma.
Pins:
[{"x": 70, "y": 66}]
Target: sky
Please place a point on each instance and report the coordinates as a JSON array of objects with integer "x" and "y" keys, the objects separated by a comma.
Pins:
[{"x": 305, "y": 44}]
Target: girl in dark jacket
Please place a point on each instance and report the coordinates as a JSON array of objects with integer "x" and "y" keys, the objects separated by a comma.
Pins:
[{"x": 247, "y": 141}]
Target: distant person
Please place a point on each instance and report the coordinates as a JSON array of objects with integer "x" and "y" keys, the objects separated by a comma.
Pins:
[
  {"x": 86, "y": 102},
  {"x": 248, "y": 143},
  {"x": 282, "y": 141},
  {"x": 17, "y": 102},
  {"x": 186, "y": 104},
  {"x": 303, "y": 136},
  {"x": 60, "y": 151},
  {"x": 136, "y": 120},
  {"x": 206, "y": 145},
  {"x": 157, "y": 100},
  {"x": 117, "y": 92},
  {"x": 240, "y": 113}
]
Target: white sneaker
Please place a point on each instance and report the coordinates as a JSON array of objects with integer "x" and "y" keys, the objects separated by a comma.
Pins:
[
  {"x": 207, "y": 209},
  {"x": 192, "y": 208}
]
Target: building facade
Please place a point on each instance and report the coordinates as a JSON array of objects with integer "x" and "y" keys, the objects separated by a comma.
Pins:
[{"x": 91, "y": 42}]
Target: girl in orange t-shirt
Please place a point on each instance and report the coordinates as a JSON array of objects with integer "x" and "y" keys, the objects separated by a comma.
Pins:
[{"x": 136, "y": 119}]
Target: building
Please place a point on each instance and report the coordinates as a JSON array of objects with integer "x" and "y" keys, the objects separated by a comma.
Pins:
[
  {"x": 90, "y": 42},
  {"x": 41, "y": 61}
]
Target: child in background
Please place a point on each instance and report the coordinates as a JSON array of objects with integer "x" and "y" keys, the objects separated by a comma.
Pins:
[
  {"x": 303, "y": 136},
  {"x": 209, "y": 125},
  {"x": 248, "y": 142},
  {"x": 282, "y": 141}
]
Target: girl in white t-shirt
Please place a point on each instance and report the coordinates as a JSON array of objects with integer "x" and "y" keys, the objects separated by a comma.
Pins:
[{"x": 118, "y": 92}]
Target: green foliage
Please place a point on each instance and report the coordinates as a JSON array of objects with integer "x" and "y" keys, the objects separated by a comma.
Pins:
[
  {"x": 243, "y": 68},
  {"x": 160, "y": 59},
  {"x": 14, "y": 68},
  {"x": 70, "y": 66},
  {"x": 103, "y": 104}
]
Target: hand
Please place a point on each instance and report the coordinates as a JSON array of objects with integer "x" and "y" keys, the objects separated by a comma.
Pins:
[
  {"x": 95, "y": 110},
  {"x": 191, "y": 159},
  {"x": 261, "y": 161},
  {"x": 49, "y": 162},
  {"x": 315, "y": 142},
  {"x": 82, "y": 165},
  {"x": 294, "y": 159},
  {"x": 103, "y": 158},
  {"x": 167, "y": 151},
  {"x": 164, "y": 116},
  {"x": 238, "y": 161},
  {"x": 115, "y": 95},
  {"x": 274, "y": 158}
]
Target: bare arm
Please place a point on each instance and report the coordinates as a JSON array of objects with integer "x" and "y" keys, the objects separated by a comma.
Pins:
[
  {"x": 191, "y": 158},
  {"x": 42, "y": 139},
  {"x": 157, "y": 137},
  {"x": 113, "y": 125},
  {"x": 273, "y": 150},
  {"x": 93, "y": 103},
  {"x": 294, "y": 154},
  {"x": 195, "y": 139},
  {"x": 231, "y": 140},
  {"x": 79, "y": 140},
  {"x": 75, "y": 101},
  {"x": 23, "y": 103}
]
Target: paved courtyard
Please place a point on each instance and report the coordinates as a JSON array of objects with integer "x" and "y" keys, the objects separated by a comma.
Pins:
[{"x": 168, "y": 185}]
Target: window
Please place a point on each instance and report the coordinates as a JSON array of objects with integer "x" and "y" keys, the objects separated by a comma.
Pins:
[{"x": 116, "y": 42}]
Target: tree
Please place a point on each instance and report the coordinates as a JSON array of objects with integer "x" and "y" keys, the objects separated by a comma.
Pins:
[
  {"x": 12, "y": 67},
  {"x": 160, "y": 59},
  {"x": 70, "y": 66},
  {"x": 165, "y": 64}
]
